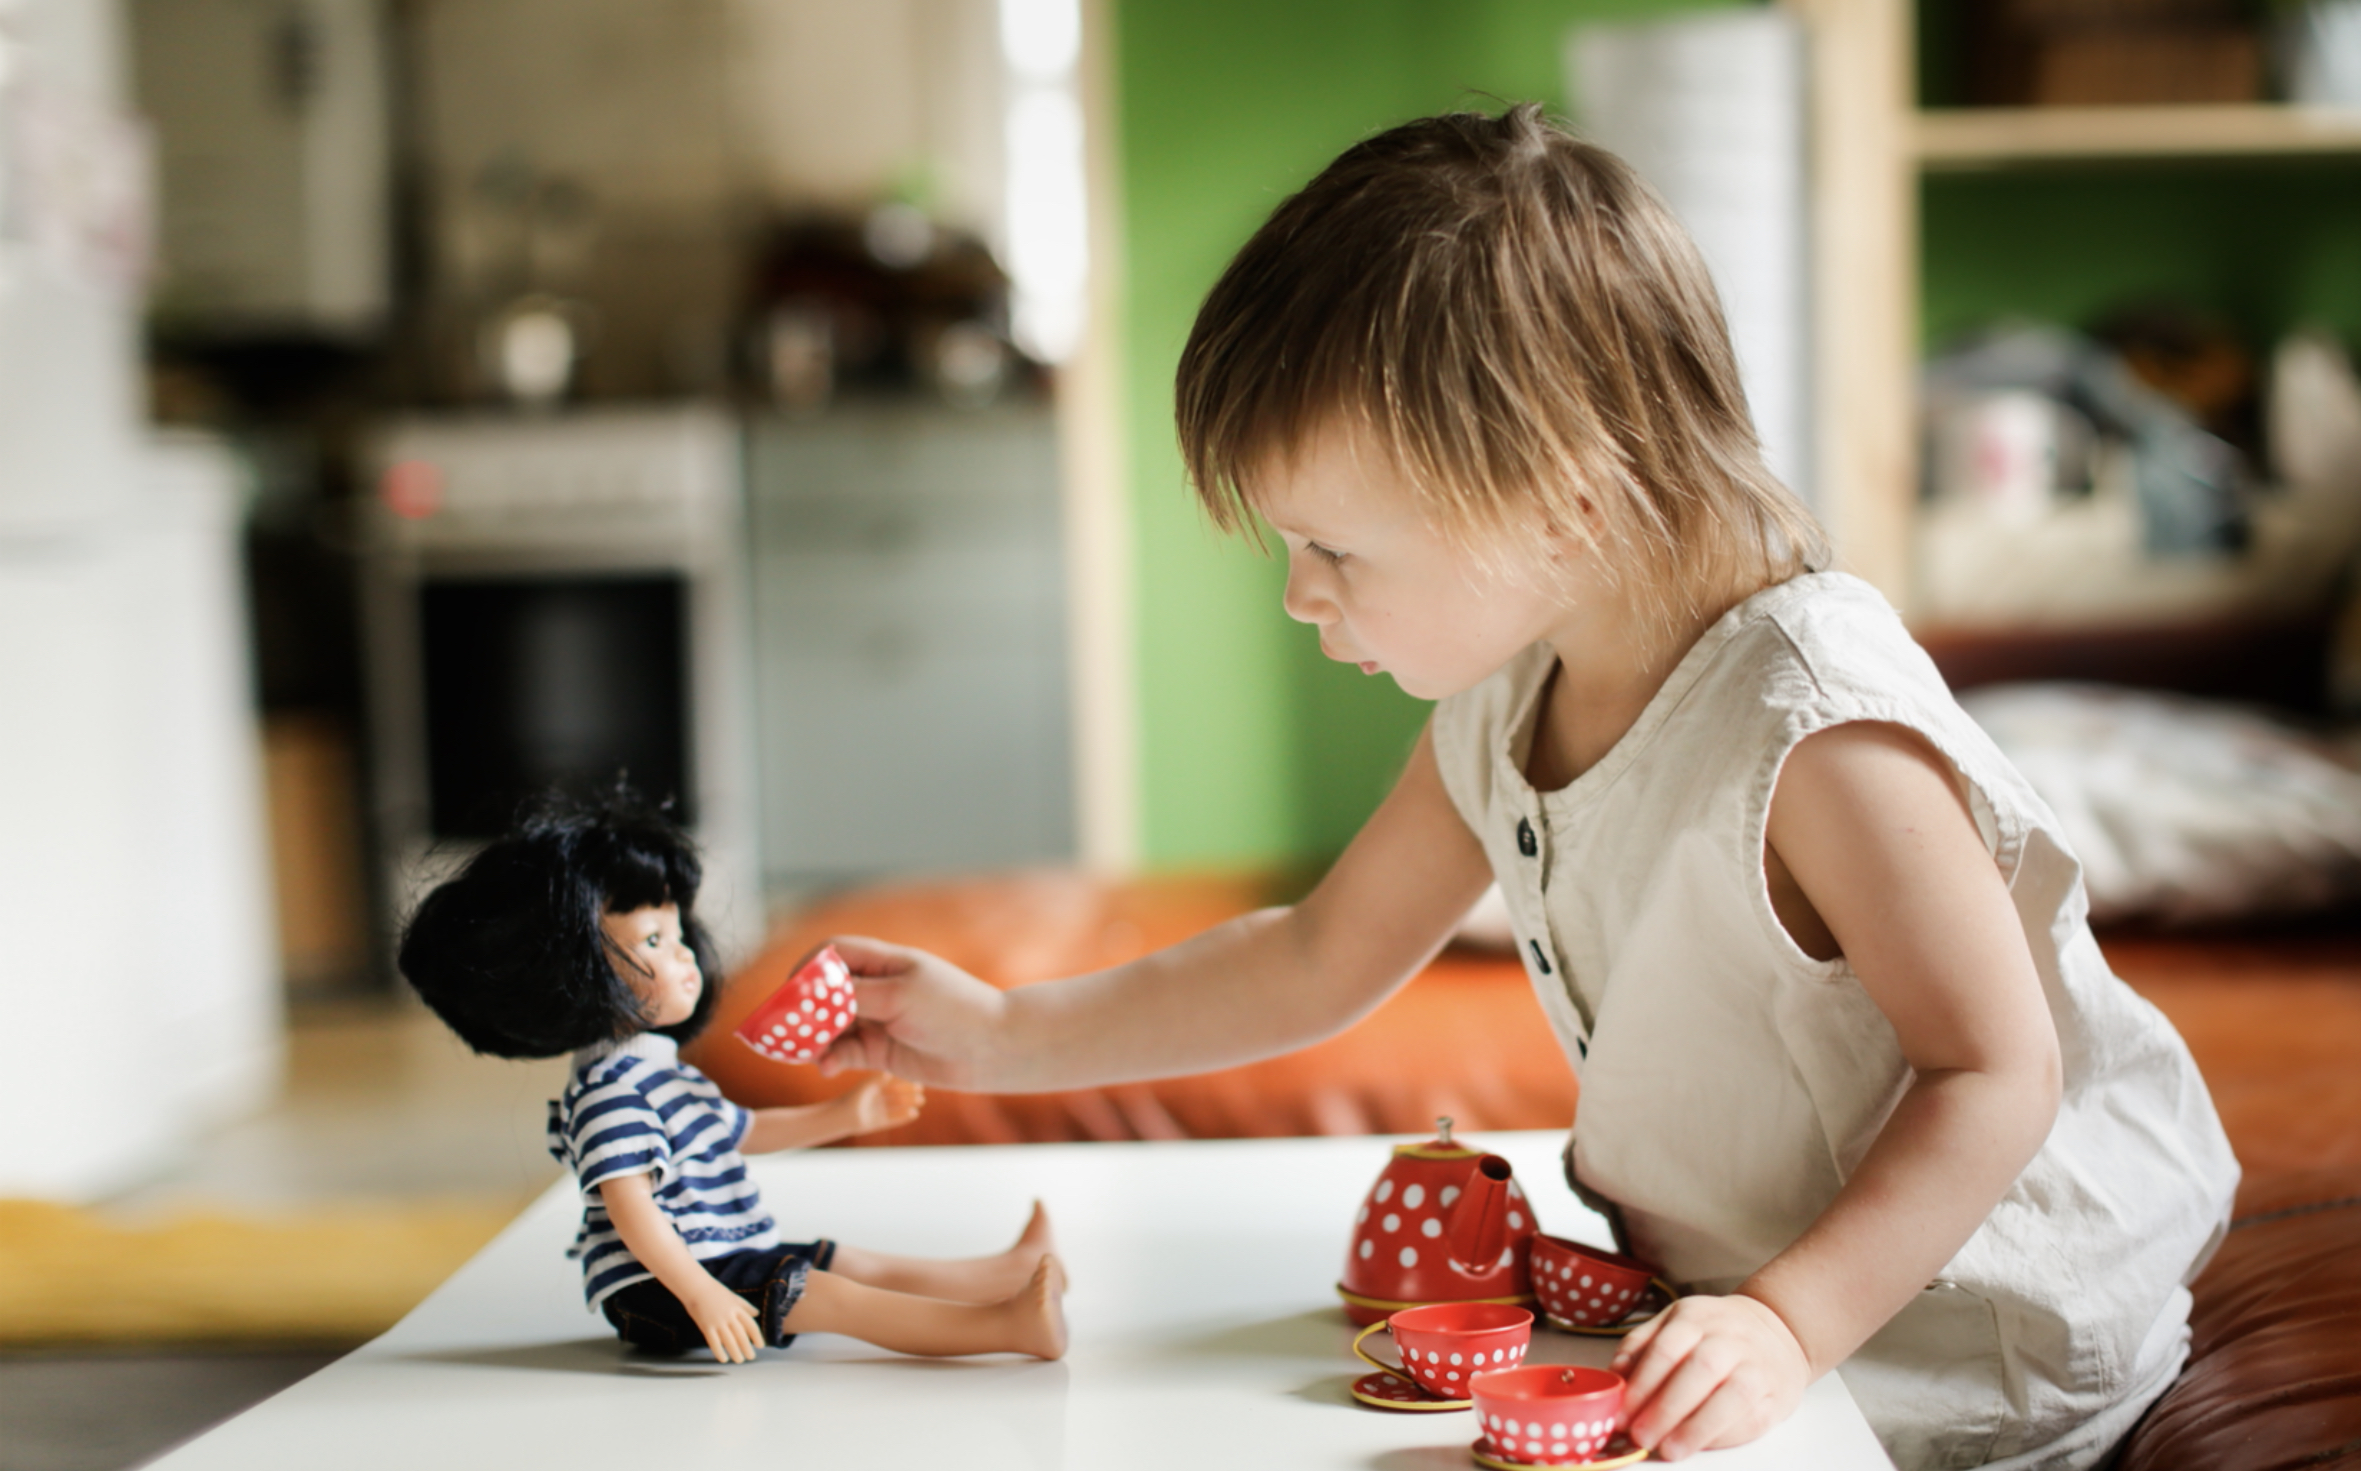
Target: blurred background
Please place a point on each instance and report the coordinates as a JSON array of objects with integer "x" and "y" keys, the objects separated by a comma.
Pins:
[{"x": 407, "y": 403}]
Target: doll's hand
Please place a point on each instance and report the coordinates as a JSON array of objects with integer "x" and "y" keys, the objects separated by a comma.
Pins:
[
  {"x": 727, "y": 1320},
  {"x": 920, "y": 1018},
  {"x": 884, "y": 1103},
  {"x": 1710, "y": 1372}
]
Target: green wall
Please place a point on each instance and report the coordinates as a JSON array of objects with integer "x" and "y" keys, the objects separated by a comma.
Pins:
[
  {"x": 1255, "y": 751},
  {"x": 2265, "y": 244}
]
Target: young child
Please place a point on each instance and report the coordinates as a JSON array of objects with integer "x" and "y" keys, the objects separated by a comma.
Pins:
[
  {"x": 1852, "y": 1068},
  {"x": 578, "y": 933}
]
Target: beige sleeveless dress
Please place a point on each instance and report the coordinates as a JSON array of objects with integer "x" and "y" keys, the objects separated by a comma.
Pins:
[{"x": 1730, "y": 1082}]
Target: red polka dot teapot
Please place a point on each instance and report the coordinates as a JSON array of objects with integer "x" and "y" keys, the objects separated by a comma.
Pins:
[{"x": 1444, "y": 1223}]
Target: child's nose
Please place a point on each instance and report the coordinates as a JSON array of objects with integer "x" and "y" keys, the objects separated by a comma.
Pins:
[{"x": 1302, "y": 603}]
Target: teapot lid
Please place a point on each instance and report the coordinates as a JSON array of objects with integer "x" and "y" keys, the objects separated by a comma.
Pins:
[{"x": 1442, "y": 1146}]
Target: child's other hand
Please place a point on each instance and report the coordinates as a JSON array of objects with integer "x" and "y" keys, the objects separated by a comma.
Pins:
[
  {"x": 727, "y": 1321},
  {"x": 920, "y": 1018},
  {"x": 885, "y": 1103},
  {"x": 1710, "y": 1372}
]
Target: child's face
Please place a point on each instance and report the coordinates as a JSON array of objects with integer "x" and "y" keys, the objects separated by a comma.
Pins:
[
  {"x": 1386, "y": 589},
  {"x": 655, "y": 962}
]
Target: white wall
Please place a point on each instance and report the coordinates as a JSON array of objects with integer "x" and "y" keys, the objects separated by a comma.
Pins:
[
  {"x": 139, "y": 979},
  {"x": 66, "y": 354},
  {"x": 135, "y": 976}
]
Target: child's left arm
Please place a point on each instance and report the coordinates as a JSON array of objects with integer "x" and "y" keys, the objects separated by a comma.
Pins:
[
  {"x": 1871, "y": 825},
  {"x": 882, "y": 1102}
]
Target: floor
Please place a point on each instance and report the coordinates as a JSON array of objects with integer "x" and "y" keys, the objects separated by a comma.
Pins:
[
  {"x": 380, "y": 1104},
  {"x": 104, "y": 1411}
]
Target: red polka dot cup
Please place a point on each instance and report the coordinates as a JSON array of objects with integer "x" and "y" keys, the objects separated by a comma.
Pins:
[
  {"x": 1446, "y": 1344},
  {"x": 1549, "y": 1414},
  {"x": 1585, "y": 1287},
  {"x": 806, "y": 1014}
]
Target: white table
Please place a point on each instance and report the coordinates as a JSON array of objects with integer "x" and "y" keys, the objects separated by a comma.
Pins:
[{"x": 1205, "y": 1334}]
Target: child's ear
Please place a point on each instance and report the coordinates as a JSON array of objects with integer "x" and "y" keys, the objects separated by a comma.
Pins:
[{"x": 1567, "y": 537}]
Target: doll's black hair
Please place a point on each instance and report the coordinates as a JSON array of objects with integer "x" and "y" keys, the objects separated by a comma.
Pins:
[{"x": 510, "y": 953}]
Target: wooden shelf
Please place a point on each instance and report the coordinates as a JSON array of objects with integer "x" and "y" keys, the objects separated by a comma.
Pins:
[{"x": 1996, "y": 137}]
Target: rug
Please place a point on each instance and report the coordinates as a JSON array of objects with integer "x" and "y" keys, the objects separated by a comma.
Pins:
[{"x": 70, "y": 1276}]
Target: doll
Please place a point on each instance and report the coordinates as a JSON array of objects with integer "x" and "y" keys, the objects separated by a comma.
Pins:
[{"x": 577, "y": 932}]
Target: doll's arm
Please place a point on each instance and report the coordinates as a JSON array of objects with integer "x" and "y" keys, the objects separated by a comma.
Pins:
[
  {"x": 727, "y": 1320},
  {"x": 1871, "y": 824},
  {"x": 879, "y": 1103},
  {"x": 1257, "y": 986}
]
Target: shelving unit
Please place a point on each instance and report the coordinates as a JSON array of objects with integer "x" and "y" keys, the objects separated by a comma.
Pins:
[
  {"x": 1872, "y": 145},
  {"x": 1986, "y": 137}
]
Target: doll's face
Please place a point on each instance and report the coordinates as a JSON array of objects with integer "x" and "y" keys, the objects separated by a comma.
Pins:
[{"x": 655, "y": 962}]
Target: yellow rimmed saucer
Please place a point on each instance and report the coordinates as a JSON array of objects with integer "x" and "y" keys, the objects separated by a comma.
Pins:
[
  {"x": 1631, "y": 1455},
  {"x": 1392, "y": 1392}
]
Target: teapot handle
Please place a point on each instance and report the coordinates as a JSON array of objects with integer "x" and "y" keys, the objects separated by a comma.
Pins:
[{"x": 1376, "y": 1363}]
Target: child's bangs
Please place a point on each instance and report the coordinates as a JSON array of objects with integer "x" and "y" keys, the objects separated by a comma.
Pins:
[{"x": 1255, "y": 412}]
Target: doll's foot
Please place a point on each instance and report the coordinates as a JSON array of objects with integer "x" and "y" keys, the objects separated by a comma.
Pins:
[
  {"x": 1036, "y": 1241},
  {"x": 1008, "y": 1272},
  {"x": 1038, "y": 1312}
]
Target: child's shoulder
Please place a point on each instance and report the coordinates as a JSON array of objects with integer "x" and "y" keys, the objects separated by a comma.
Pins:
[{"x": 1849, "y": 645}]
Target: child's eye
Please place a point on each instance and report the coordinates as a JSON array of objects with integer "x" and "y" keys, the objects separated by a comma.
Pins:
[{"x": 1325, "y": 554}]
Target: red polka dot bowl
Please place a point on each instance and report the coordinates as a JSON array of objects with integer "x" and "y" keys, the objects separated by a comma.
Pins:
[
  {"x": 805, "y": 1014},
  {"x": 1549, "y": 1414},
  {"x": 1584, "y": 1287},
  {"x": 1445, "y": 1345}
]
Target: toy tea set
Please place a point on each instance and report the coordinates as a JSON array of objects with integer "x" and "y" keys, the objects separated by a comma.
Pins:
[{"x": 1447, "y": 1257}]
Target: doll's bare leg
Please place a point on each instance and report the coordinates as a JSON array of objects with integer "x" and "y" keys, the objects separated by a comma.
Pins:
[
  {"x": 969, "y": 1279},
  {"x": 1032, "y": 1321}
]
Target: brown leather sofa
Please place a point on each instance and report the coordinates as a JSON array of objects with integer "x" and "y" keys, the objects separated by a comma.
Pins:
[{"x": 2275, "y": 1023}]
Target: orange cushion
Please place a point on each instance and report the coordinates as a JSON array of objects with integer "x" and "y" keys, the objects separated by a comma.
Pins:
[{"x": 2274, "y": 1021}]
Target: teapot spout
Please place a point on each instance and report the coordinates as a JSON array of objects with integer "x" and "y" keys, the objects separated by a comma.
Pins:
[{"x": 1479, "y": 1223}]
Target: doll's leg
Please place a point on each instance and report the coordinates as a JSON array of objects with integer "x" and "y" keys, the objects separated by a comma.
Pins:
[
  {"x": 970, "y": 1279},
  {"x": 1031, "y": 1321}
]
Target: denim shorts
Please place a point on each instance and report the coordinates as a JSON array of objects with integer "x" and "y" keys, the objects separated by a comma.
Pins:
[{"x": 650, "y": 1318}]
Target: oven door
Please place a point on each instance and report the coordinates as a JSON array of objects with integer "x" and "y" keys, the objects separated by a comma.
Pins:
[{"x": 552, "y": 680}]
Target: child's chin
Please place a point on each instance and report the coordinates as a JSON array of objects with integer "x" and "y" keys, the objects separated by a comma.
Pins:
[{"x": 1432, "y": 688}]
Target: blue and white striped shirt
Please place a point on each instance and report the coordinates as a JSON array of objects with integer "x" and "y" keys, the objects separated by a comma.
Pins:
[{"x": 634, "y": 1108}]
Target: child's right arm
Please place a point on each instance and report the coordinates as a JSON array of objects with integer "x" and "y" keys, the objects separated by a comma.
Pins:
[
  {"x": 1260, "y": 985},
  {"x": 727, "y": 1320}
]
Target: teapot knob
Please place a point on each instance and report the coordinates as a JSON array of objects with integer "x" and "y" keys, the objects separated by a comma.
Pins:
[{"x": 1443, "y": 1127}]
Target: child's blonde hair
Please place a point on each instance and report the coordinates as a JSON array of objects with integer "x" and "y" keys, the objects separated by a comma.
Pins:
[{"x": 1525, "y": 329}]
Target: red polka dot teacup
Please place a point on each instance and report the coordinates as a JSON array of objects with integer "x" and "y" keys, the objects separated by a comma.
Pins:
[
  {"x": 1549, "y": 1414},
  {"x": 806, "y": 1014},
  {"x": 1446, "y": 1344},
  {"x": 1585, "y": 1287}
]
